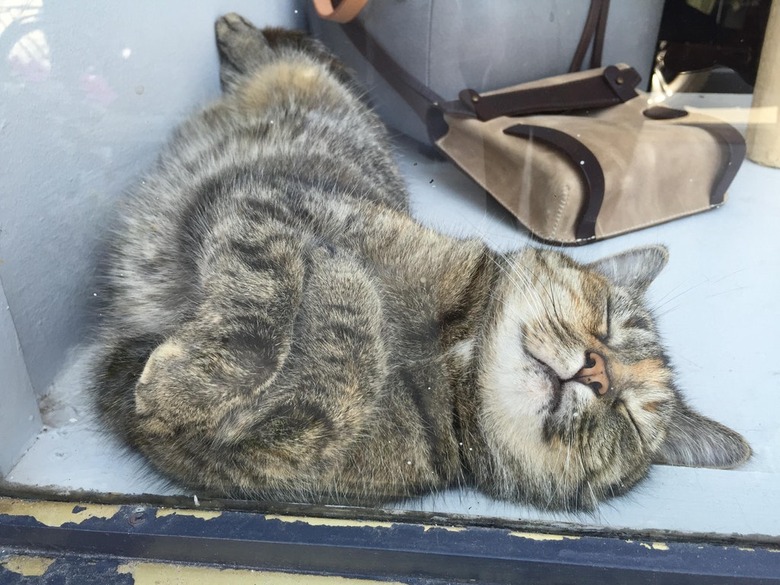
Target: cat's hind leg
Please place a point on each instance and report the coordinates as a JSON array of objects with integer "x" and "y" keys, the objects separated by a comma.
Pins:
[
  {"x": 242, "y": 49},
  {"x": 274, "y": 66}
]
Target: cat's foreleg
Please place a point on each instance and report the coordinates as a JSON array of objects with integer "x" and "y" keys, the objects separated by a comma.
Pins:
[
  {"x": 329, "y": 394},
  {"x": 269, "y": 388},
  {"x": 251, "y": 278}
]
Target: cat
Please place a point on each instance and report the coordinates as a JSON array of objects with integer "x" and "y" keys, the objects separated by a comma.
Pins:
[{"x": 278, "y": 326}]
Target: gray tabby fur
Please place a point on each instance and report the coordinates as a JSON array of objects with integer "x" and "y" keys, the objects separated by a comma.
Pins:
[{"x": 278, "y": 326}]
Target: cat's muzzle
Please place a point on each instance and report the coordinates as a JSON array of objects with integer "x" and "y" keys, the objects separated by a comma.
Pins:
[{"x": 594, "y": 374}]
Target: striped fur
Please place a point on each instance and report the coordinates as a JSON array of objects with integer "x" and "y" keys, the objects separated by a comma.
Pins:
[{"x": 278, "y": 326}]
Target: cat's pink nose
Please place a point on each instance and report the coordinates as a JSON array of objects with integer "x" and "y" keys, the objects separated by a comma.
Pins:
[{"x": 594, "y": 374}]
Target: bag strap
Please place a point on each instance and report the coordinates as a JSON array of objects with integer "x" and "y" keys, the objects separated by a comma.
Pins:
[
  {"x": 419, "y": 96},
  {"x": 597, "y": 90},
  {"x": 594, "y": 30},
  {"x": 344, "y": 11}
]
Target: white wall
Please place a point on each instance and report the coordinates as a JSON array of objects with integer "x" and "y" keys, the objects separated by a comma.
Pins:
[
  {"x": 19, "y": 418},
  {"x": 88, "y": 92}
]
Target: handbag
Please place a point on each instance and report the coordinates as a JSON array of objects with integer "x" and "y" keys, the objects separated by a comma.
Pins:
[
  {"x": 452, "y": 44},
  {"x": 577, "y": 157}
]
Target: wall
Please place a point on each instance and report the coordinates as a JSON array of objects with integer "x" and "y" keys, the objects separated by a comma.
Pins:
[
  {"x": 19, "y": 418},
  {"x": 88, "y": 91}
]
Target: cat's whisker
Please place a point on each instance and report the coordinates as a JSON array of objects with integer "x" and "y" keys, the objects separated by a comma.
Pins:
[{"x": 528, "y": 291}]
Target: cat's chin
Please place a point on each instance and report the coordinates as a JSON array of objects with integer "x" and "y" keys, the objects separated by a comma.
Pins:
[{"x": 556, "y": 386}]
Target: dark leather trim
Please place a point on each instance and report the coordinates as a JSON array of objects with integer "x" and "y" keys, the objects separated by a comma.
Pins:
[
  {"x": 623, "y": 82},
  {"x": 436, "y": 125},
  {"x": 663, "y": 113},
  {"x": 582, "y": 159},
  {"x": 593, "y": 30},
  {"x": 733, "y": 150},
  {"x": 598, "y": 38},
  {"x": 420, "y": 97},
  {"x": 612, "y": 87}
]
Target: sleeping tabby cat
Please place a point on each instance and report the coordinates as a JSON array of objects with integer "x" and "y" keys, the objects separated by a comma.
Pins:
[{"x": 279, "y": 326}]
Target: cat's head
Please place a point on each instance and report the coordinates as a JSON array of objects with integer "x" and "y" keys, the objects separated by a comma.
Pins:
[{"x": 578, "y": 397}]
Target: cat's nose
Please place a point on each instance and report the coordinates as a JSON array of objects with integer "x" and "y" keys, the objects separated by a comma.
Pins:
[{"x": 594, "y": 374}]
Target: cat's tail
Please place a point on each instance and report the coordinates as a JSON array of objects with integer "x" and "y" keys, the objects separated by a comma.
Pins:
[{"x": 117, "y": 366}]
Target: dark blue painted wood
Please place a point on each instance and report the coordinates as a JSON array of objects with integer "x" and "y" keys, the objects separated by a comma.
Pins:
[{"x": 403, "y": 552}]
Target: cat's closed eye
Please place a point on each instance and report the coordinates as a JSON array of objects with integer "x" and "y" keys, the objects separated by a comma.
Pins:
[
  {"x": 623, "y": 408},
  {"x": 602, "y": 335},
  {"x": 637, "y": 322}
]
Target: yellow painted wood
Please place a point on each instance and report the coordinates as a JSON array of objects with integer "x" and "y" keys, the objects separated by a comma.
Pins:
[
  {"x": 56, "y": 513},
  {"x": 165, "y": 574},
  {"x": 202, "y": 514},
  {"x": 26, "y": 566},
  {"x": 541, "y": 537}
]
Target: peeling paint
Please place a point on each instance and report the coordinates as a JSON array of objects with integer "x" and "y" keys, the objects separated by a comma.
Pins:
[
  {"x": 312, "y": 521},
  {"x": 542, "y": 537},
  {"x": 56, "y": 513},
  {"x": 655, "y": 545},
  {"x": 427, "y": 527},
  {"x": 337, "y": 522},
  {"x": 203, "y": 514},
  {"x": 26, "y": 566},
  {"x": 164, "y": 574}
]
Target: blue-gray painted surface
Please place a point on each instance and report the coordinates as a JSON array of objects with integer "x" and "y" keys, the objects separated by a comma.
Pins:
[
  {"x": 19, "y": 418},
  {"x": 89, "y": 92}
]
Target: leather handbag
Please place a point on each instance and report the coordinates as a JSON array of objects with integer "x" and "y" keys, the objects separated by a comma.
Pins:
[
  {"x": 452, "y": 44},
  {"x": 577, "y": 157}
]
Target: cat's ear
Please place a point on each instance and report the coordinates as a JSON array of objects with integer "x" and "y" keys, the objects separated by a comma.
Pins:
[
  {"x": 634, "y": 269},
  {"x": 694, "y": 440}
]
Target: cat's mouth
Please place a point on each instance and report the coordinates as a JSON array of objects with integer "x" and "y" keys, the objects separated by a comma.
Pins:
[
  {"x": 556, "y": 385},
  {"x": 557, "y": 392}
]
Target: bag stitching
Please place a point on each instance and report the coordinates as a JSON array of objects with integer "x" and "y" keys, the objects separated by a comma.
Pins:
[
  {"x": 564, "y": 200},
  {"x": 551, "y": 233}
]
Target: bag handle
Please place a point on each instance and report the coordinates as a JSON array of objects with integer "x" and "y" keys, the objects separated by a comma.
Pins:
[
  {"x": 344, "y": 11},
  {"x": 416, "y": 94},
  {"x": 598, "y": 88}
]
